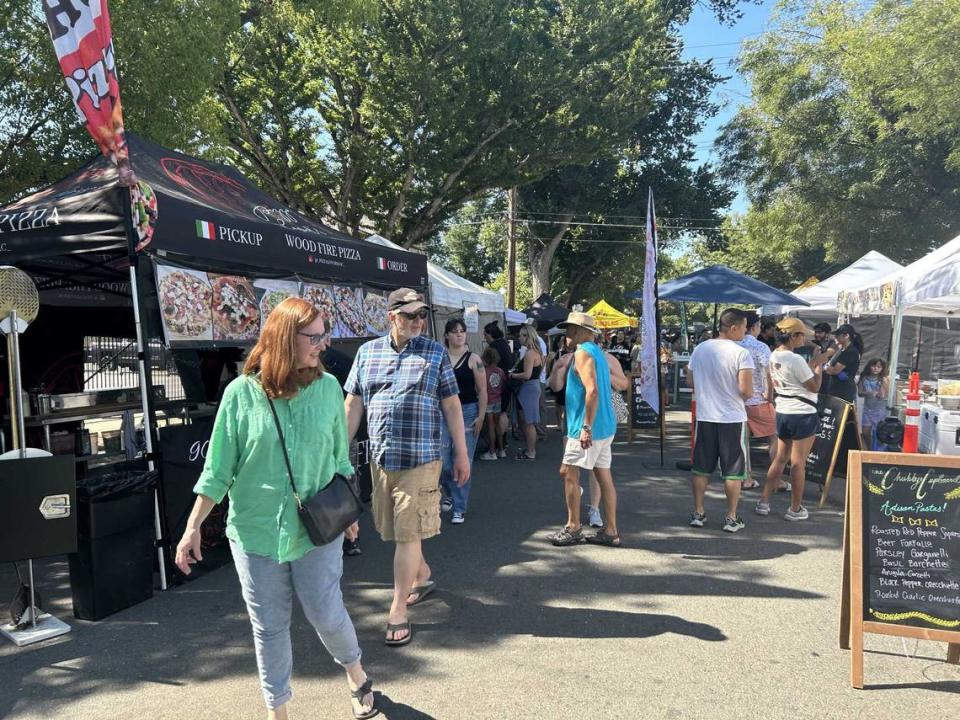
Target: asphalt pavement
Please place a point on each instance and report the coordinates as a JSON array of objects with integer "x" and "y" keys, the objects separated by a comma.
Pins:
[{"x": 679, "y": 623}]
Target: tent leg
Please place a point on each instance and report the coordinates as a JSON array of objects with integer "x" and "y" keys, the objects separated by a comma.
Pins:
[
  {"x": 685, "y": 338},
  {"x": 895, "y": 357},
  {"x": 715, "y": 308}
]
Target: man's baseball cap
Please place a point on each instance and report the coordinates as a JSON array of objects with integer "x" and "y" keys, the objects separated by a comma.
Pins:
[
  {"x": 405, "y": 300},
  {"x": 792, "y": 325}
]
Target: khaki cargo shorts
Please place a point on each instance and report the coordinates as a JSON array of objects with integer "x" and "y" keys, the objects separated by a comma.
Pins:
[{"x": 406, "y": 503}]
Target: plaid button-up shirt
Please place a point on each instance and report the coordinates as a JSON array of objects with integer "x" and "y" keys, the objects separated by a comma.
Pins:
[{"x": 401, "y": 392}]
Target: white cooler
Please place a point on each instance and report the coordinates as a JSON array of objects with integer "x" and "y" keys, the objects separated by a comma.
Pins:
[{"x": 939, "y": 430}]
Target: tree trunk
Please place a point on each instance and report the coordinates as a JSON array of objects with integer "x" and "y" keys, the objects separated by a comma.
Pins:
[{"x": 541, "y": 260}]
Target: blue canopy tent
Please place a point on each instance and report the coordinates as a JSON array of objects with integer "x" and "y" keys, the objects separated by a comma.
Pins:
[{"x": 719, "y": 284}]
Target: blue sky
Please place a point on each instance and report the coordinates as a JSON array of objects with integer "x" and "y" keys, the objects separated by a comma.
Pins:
[{"x": 705, "y": 37}]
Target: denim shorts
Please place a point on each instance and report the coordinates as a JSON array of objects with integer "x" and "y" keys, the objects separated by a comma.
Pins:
[{"x": 797, "y": 427}]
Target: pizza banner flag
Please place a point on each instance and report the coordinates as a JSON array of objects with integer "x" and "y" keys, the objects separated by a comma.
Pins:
[
  {"x": 650, "y": 344},
  {"x": 83, "y": 41}
]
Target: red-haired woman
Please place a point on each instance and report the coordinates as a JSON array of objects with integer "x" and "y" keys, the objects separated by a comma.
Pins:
[{"x": 272, "y": 552}]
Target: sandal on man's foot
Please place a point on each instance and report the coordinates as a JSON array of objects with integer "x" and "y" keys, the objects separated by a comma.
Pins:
[
  {"x": 602, "y": 538},
  {"x": 421, "y": 591},
  {"x": 359, "y": 694},
  {"x": 522, "y": 455},
  {"x": 395, "y": 628},
  {"x": 565, "y": 536}
]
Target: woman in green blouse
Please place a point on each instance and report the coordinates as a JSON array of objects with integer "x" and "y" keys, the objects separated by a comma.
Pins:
[{"x": 271, "y": 550}]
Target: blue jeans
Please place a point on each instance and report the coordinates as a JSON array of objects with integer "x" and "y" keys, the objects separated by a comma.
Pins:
[
  {"x": 268, "y": 588},
  {"x": 459, "y": 495}
]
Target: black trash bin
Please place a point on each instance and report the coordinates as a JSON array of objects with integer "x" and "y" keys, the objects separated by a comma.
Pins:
[{"x": 113, "y": 566}]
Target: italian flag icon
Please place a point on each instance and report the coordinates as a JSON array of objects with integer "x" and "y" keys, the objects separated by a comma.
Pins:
[
  {"x": 206, "y": 230},
  {"x": 381, "y": 263}
]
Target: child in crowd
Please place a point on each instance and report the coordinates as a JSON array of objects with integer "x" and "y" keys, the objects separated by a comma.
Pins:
[
  {"x": 496, "y": 381},
  {"x": 872, "y": 388}
]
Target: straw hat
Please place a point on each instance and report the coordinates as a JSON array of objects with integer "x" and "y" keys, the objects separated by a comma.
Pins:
[{"x": 580, "y": 319}]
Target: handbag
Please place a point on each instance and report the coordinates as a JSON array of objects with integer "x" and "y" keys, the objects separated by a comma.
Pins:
[
  {"x": 332, "y": 510},
  {"x": 620, "y": 408}
]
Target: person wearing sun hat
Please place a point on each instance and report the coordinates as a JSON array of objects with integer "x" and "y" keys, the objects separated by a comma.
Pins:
[
  {"x": 796, "y": 382},
  {"x": 591, "y": 427}
]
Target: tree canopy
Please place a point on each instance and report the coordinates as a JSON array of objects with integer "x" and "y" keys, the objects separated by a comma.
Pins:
[{"x": 851, "y": 141}]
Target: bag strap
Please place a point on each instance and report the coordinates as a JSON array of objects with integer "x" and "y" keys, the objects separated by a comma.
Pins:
[
  {"x": 808, "y": 401},
  {"x": 283, "y": 446}
]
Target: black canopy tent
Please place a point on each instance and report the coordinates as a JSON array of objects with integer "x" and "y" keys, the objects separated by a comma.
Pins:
[
  {"x": 78, "y": 240},
  {"x": 546, "y": 312}
]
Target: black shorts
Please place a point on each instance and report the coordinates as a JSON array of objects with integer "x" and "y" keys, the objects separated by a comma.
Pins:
[
  {"x": 726, "y": 442},
  {"x": 797, "y": 427}
]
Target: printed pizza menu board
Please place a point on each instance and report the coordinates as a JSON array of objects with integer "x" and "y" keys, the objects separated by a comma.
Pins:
[
  {"x": 911, "y": 544},
  {"x": 201, "y": 309}
]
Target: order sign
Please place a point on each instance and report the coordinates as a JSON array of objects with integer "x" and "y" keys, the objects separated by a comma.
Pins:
[{"x": 912, "y": 541}]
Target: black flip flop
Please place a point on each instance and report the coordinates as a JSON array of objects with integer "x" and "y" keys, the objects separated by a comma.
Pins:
[
  {"x": 359, "y": 694},
  {"x": 421, "y": 591},
  {"x": 393, "y": 627}
]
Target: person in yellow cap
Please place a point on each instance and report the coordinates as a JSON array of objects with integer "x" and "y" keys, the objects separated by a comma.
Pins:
[{"x": 796, "y": 382}]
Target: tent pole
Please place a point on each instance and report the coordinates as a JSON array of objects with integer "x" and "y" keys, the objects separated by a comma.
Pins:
[
  {"x": 916, "y": 350},
  {"x": 685, "y": 338},
  {"x": 895, "y": 357},
  {"x": 715, "y": 309},
  {"x": 146, "y": 384}
]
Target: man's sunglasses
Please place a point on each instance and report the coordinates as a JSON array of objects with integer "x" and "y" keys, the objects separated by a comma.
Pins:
[
  {"x": 316, "y": 339},
  {"x": 422, "y": 314}
]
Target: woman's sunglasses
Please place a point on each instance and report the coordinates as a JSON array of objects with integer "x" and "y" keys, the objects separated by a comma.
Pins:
[
  {"x": 422, "y": 314},
  {"x": 316, "y": 339}
]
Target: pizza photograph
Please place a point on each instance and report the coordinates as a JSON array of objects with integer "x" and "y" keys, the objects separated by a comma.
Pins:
[
  {"x": 353, "y": 321},
  {"x": 375, "y": 308},
  {"x": 185, "y": 304},
  {"x": 322, "y": 298},
  {"x": 236, "y": 313}
]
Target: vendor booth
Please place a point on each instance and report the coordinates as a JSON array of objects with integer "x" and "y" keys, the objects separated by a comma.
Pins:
[
  {"x": 452, "y": 296},
  {"x": 171, "y": 279},
  {"x": 609, "y": 318},
  {"x": 546, "y": 312},
  {"x": 926, "y": 289}
]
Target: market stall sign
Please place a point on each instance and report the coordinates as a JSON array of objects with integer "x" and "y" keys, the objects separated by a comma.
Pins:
[
  {"x": 836, "y": 436},
  {"x": 901, "y": 551}
]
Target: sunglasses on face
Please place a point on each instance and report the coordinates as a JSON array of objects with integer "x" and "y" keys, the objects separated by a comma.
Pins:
[
  {"x": 316, "y": 339},
  {"x": 422, "y": 314}
]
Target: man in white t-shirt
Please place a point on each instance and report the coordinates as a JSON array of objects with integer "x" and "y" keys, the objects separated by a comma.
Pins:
[{"x": 721, "y": 375}]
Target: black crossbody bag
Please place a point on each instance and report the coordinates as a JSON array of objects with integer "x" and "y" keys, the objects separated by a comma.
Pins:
[{"x": 332, "y": 510}]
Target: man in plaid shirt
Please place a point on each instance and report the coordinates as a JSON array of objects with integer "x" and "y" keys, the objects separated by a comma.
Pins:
[{"x": 407, "y": 386}]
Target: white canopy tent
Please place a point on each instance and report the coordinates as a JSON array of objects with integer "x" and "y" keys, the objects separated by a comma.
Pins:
[
  {"x": 928, "y": 287},
  {"x": 823, "y": 296},
  {"x": 451, "y": 294}
]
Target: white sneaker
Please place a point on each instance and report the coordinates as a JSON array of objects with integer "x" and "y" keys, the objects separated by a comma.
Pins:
[
  {"x": 800, "y": 514},
  {"x": 457, "y": 518},
  {"x": 593, "y": 517},
  {"x": 489, "y": 456},
  {"x": 762, "y": 508},
  {"x": 501, "y": 453},
  {"x": 446, "y": 505}
]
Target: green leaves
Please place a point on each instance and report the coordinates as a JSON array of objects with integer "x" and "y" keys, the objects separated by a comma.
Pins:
[{"x": 853, "y": 137}]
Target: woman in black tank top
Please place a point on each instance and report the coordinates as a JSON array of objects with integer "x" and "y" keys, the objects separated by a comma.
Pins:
[{"x": 472, "y": 381}]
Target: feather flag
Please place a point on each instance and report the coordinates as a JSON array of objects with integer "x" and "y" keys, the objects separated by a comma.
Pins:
[
  {"x": 83, "y": 41},
  {"x": 649, "y": 356}
]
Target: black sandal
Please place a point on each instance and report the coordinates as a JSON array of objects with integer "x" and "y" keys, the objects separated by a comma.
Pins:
[
  {"x": 359, "y": 694},
  {"x": 566, "y": 536},
  {"x": 603, "y": 538},
  {"x": 393, "y": 627}
]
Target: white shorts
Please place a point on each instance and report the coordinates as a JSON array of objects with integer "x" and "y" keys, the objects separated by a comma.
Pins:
[{"x": 595, "y": 456}]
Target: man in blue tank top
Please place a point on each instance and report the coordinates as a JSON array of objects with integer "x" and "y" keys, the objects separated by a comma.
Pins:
[{"x": 591, "y": 426}]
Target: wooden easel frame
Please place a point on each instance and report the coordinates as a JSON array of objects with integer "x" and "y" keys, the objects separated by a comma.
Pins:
[
  {"x": 852, "y": 624},
  {"x": 848, "y": 410}
]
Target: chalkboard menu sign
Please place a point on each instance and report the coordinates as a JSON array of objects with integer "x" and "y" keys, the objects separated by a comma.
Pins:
[
  {"x": 641, "y": 414},
  {"x": 837, "y": 434},
  {"x": 911, "y": 539},
  {"x": 902, "y": 550}
]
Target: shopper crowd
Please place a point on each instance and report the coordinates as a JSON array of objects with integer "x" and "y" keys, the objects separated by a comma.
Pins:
[{"x": 284, "y": 428}]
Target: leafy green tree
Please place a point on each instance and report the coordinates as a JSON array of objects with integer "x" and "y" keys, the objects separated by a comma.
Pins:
[{"x": 852, "y": 139}]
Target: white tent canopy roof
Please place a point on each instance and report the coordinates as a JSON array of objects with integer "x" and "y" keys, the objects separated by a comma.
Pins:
[
  {"x": 823, "y": 295},
  {"x": 928, "y": 287},
  {"x": 451, "y": 290}
]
